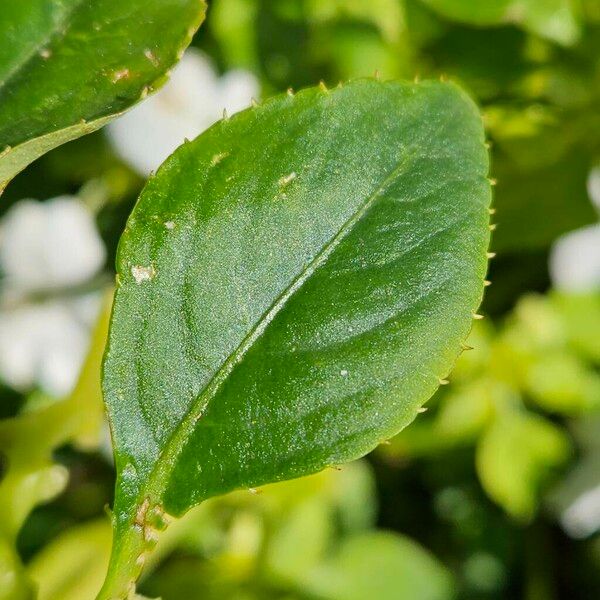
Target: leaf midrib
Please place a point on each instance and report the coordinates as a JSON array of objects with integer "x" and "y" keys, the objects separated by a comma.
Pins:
[
  {"x": 61, "y": 24},
  {"x": 158, "y": 478}
]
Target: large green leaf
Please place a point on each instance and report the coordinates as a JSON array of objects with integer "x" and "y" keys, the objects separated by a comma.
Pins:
[
  {"x": 291, "y": 287},
  {"x": 69, "y": 66}
]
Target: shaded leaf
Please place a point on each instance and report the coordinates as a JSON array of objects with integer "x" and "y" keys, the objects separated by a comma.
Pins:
[{"x": 68, "y": 67}]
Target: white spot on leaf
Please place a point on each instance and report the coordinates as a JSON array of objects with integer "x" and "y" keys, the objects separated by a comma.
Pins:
[
  {"x": 287, "y": 179},
  {"x": 120, "y": 74},
  {"x": 217, "y": 158},
  {"x": 150, "y": 56},
  {"x": 141, "y": 274}
]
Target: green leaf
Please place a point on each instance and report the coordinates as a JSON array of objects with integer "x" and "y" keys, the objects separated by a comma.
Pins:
[
  {"x": 515, "y": 457},
  {"x": 27, "y": 442},
  {"x": 291, "y": 287},
  {"x": 67, "y": 67},
  {"x": 554, "y": 19},
  {"x": 72, "y": 566},
  {"x": 581, "y": 314},
  {"x": 383, "y": 566}
]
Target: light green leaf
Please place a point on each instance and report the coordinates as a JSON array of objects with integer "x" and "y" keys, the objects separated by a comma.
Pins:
[
  {"x": 514, "y": 459},
  {"x": 73, "y": 565},
  {"x": 472, "y": 11},
  {"x": 554, "y": 19},
  {"x": 386, "y": 15},
  {"x": 383, "y": 566},
  {"x": 467, "y": 410},
  {"x": 562, "y": 383},
  {"x": 292, "y": 285},
  {"x": 26, "y": 445},
  {"x": 67, "y": 67},
  {"x": 581, "y": 314},
  {"x": 232, "y": 22}
]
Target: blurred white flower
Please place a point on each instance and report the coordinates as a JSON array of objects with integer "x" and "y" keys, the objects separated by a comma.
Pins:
[
  {"x": 575, "y": 257},
  {"x": 582, "y": 518},
  {"x": 575, "y": 260},
  {"x": 191, "y": 101},
  {"x": 46, "y": 247},
  {"x": 593, "y": 186}
]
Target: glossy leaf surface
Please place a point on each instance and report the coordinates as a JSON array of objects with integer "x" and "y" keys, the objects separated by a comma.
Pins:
[
  {"x": 292, "y": 285},
  {"x": 68, "y": 66}
]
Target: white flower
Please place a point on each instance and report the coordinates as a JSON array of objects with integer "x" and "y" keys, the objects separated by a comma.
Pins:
[
  {"x": 46, "y": 247},
  {"x": 191, "y": 101},
  {"x": 593, "y": 186},
  {"x": 575, "y": 260},
  {"x": 582, "y": 518},
  {"x": 575, "y": 256}
]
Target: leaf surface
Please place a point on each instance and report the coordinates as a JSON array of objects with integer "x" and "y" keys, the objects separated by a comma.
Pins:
[
  {"x": 292, "y": 285},
  {"x": 67, "y": 67}
]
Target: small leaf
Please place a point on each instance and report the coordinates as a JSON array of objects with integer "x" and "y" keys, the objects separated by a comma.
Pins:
[
  {"x": 69, "y": 67},
  {"x": 515, "y": 457},
  {"x": 292, "y": 286}
]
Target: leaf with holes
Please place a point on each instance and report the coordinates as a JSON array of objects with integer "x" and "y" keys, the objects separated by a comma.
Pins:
[
  {"x": 67, "y": 67},
  {"x": 292, "y": 285}
]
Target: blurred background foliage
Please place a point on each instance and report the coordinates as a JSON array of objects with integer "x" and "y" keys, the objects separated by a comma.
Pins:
[{"x": 494, "y": 492}]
